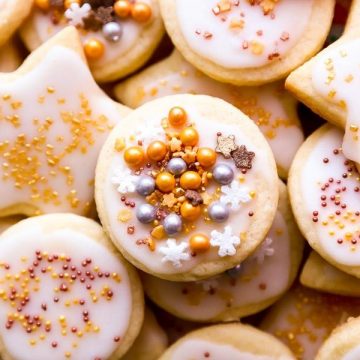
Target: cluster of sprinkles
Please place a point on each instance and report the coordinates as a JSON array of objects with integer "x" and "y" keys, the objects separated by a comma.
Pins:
[
  {"x": 20, "y": 290},
  {"x": 172, "y": 176},
  {"x": 309, "y": 321},
  {"x": 21, "y": 161},
  {"x": 333, "y": 213},
  {"x": 97, "y": 16},
  {"x": 230, "y": 13}
]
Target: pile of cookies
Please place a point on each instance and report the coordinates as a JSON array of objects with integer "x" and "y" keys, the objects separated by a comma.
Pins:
[{"x": 169, "y": 214}]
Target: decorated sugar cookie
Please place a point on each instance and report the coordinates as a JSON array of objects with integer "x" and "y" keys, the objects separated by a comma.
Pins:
[
  {"x": 343, "y": 343},
  {"x": 10, "y": 56},
  {"x": 186, "y": 187},
  {"x": 8, "y": 221},
  {"x": 61, "y": 284},
  {"x": 246, "y": 42},
  {"x": 247, "y": 288},
  {"x": 54, "y": 120},
  {"x": 12, "y": 13},
  {"x": 271, "y": 108},
  {"x": 151, "y": 341},
  {"x": 324, "y": 191},
  {"x": 118, "y": 36},
  {"x": 231, "y": 341},
  {"x": 304, "y": 318},
  {"x": 320, "y": 275},
  {"x": 329, "y": 82}
]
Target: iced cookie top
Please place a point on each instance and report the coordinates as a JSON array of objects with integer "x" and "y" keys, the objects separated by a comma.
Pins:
[
  {"x": 335, "y": 76},
  {"x": 52, "y": 130},
  {"x": 330, "y": 190},
  {"x": 242, "y": 33},
  {"x": 59, "y": 287},
  {"x": 301, "y": 319},
  {"x": 183, "y": 188},
  {"x": 239, "y": 291},
  {"x": 108, "y": 28}
]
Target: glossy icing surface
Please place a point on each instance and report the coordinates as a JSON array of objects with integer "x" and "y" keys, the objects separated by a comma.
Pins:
[
  {"x": 58, "y": 290},
  {"x": 52, "y": 130},
  {"x": 242, "y": 34},
  {"x": 330, "y": 190},
  {"x": 335, "y": 76}
]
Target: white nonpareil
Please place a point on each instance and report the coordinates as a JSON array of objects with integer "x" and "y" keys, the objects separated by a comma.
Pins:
[
  {"x": 234, "y": 194},
  {"x": 125, "y": 181},
  {"x": 265, "y": 250},
  {"x": 226, "y": 241},
  {"x": 174, "y": 253},
  {"x": 76, "y": 14}
]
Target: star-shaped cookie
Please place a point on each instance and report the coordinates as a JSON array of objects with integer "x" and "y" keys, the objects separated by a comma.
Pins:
[
  {"x": 329, "y": 83},
  {"x": 53, "y": 122}
]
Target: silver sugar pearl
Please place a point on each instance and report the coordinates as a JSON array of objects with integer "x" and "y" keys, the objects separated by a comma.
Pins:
[
  {"x": 176, "y": 166},
  {"x": 145, "y": 185},
  {"x": 145, "y": 213},
  {"x": 112, "y": 31},
  {"x": 172, "y": 224},
  {"x": 235, "y": 271},
  {"x": 218, "y": 212},
  {"x": 223, "y": 174}
]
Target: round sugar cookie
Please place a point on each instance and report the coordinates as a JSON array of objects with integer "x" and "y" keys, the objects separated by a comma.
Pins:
[
  {"x": 231, "y": 341},
  {"x": 5, "y": 223},
  {"x": 304, "y": 318},
  {"x": 12, "y": 13},
  {"x": 118, "y": 36},
  {"x": 271, "y": 107},
  {"x": 320, "y": 275},
  {"x": 52, "y": 130},
  {"x": 343, "y": 343},
  {"x": 151, "y": 342},
  {"x": 61, "y": 283},
  {"x": 186, "y": 187},
  {"x": 244, "y": 290},
  {"x": 324, "y": 191},
  {"x": 247, "y": 42}
]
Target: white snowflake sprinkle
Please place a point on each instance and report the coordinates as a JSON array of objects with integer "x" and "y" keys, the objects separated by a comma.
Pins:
[
  {"x": 150, "y": 133},
  {"x": 265, "y": 250},
  {"x": 234, "y": 194},
  {"x": 226, "y": 241},
  {"x": 174, "y": 253},
  {"x": 125, "y": 181},
  {"x": 76, "y": 14}
]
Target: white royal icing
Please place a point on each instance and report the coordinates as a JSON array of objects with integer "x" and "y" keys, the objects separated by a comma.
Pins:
[
  {"x": 203, "y": 349},
  {"x": 266, "y": 105},
  {"x": 255, "y": 282},
  {"x": 58, "y": 110},
  {"x": 207, "y": 127},
  {"x": 331, "y": 227},
  {"x": 68, "y": 336},
  {"x": 243, "y": 37},
  {"x": 335, "y": 76},
  {"x": 131, "y": 32},
  {"x": 353, "y": 354}
]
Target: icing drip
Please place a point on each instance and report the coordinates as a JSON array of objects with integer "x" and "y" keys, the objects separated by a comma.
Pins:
[
  {"x": 249, "y": 33},
  {"x": 57, "y": 294},
  {"x": 335, "y": 76}
]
